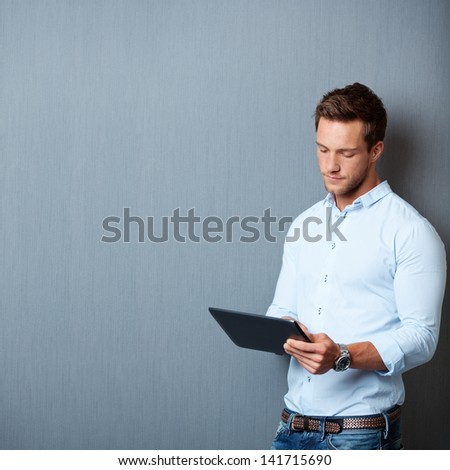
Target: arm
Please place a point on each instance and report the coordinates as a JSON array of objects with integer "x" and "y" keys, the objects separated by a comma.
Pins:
[
  {"x": 419, "y": 288},
  {"x": 319, "y": 356},
  {"x": 284, "y": 301},
  {"x": 419, "y": 285}
]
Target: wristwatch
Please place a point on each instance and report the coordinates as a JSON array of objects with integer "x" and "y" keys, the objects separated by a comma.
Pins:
[{"x": 343, "y": 361}]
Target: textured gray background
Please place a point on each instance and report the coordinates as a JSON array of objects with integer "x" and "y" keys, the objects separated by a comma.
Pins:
[{"x": 155, "y": 105}]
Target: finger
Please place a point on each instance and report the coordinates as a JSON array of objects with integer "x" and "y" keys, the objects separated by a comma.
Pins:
[
  {"x": 307, "y": 359},
  {"x": 304, "y": 351},
  {"x": 301, "y": 346},
  {"x": 310, "y": 364},
  {"x": 302, "y": 355}
]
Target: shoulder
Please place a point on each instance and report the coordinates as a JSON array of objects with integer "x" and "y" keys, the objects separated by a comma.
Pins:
[
  {"x": 412, "y": 232},
  {"x": 402, "y": 216},
  {"x": 396, "y": 206}
]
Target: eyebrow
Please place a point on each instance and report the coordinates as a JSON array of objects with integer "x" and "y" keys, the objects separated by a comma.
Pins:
[{"x": 339, "y": 150}]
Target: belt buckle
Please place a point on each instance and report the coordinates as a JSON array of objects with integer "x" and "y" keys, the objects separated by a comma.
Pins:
[
  {"x": 338, "y": 422},
  {"x": 299, "y": 423}
]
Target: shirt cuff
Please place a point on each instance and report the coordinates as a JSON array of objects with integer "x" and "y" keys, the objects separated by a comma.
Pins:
[{"x": 391, "y": 354}]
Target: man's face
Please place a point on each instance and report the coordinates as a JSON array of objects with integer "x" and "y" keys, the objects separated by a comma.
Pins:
[{"x": 344, "y": 160}]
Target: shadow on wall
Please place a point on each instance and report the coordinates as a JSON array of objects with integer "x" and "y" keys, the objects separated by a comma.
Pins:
[
  {"x": 427, "y": 387},
  {"x": 397, "y": 163}
]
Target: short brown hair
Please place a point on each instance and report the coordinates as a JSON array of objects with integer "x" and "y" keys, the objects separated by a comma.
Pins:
[{"x": 355, "y": 102}]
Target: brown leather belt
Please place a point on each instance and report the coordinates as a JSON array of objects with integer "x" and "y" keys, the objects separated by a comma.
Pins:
[{"x": 336, "y": 425}]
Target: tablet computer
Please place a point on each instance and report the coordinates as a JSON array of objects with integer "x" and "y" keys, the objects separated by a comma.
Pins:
[{"x": 260, "y": 332}]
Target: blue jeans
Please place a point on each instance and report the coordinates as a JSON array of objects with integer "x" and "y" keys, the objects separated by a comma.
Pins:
[{"x": 348, "y": 439}]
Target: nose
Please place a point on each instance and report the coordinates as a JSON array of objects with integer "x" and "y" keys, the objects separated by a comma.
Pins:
[{"x": 332, "y": 163}]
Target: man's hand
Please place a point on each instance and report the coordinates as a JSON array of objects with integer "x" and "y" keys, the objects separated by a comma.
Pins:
[{"x": 316, "y": 357}]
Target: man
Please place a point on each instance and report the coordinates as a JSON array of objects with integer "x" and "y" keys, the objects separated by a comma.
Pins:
[{"x": 368, "y": 293}]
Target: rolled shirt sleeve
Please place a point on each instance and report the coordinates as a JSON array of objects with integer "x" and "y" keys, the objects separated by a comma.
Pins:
[{"x": 419, "y": 285}]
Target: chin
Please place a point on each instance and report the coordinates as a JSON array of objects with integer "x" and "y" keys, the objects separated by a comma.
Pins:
[{"x": 335, "y": 189}]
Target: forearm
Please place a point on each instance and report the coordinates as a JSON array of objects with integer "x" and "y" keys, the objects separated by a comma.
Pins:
[
  {"x": 365, "y": 356},
  {"x": 320, "y": 355}
]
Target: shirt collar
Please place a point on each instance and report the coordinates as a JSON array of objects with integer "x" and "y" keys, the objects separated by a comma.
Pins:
[{"x": 367, "y": 199}]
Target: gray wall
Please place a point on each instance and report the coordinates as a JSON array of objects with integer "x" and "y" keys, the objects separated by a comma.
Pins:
[{"x": 158, "y": 105}]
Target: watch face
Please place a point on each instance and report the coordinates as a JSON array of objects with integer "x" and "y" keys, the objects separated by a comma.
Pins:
[{"x": 343, "y": 363}]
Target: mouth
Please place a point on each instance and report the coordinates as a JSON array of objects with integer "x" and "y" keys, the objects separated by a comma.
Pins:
[{"x": 333, "y": 178}]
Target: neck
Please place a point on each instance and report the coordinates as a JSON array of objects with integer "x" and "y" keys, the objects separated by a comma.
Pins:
[{"x": 344, "y": 200}]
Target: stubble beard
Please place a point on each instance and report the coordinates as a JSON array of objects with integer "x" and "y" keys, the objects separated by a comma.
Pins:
[{"x": 350, "y": 186}]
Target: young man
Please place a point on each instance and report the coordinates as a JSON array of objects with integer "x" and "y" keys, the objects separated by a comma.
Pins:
[{"x": 369, "y": 294}]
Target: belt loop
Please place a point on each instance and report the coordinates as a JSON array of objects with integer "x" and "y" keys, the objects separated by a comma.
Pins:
[
  {"x": 323, "y": 427},
  {"x": 289, "y": 421},
  {"x": 386, "y": 427}
]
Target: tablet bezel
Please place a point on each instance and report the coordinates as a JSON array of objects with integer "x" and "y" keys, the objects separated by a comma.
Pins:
[{"x": 258, "y": 332}]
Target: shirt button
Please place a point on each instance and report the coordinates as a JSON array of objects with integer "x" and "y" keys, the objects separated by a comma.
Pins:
[
  {"x": 319, "y": 311},
  {"x": 325, "y": 278},
  {"x": 308, "y": 379},
  {"x": 333, "y": 246}
]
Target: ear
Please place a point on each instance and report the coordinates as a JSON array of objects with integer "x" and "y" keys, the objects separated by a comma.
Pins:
[{"x": 376, "y": 151}]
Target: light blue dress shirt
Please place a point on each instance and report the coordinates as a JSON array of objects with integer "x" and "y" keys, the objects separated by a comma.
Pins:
[{"x": 374, "y": 272}]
